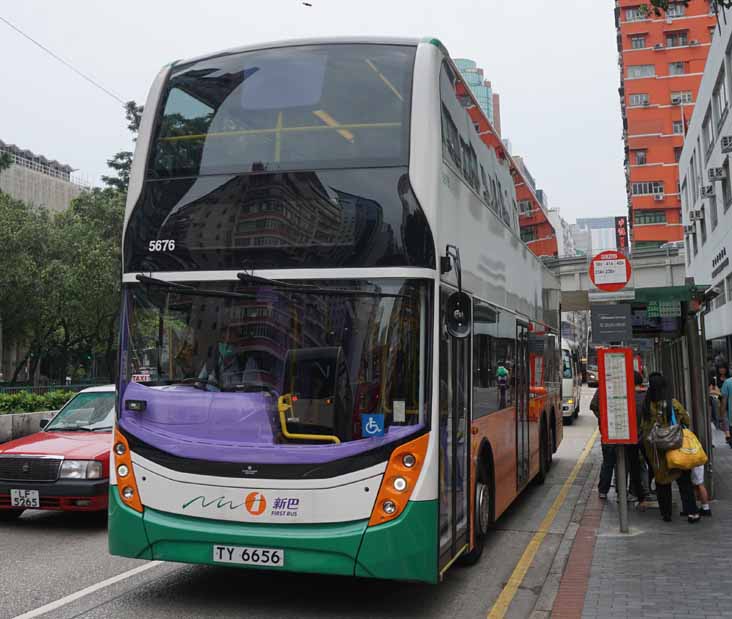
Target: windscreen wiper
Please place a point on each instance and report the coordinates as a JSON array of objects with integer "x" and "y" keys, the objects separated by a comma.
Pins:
[
  {"x": 277, "y": 284},
  {"x": 194, "y": 381},
  {"x": 191, "y": 290},
  {"x": 70, "y": 429}
]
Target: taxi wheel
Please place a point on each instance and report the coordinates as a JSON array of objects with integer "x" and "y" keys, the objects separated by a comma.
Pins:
[{"x": 10, "y": 514}]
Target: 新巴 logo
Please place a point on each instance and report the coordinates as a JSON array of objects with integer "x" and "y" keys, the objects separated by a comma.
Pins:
[{"x": 255, "y": 503}]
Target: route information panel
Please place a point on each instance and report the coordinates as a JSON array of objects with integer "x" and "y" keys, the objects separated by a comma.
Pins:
[{"x": 617, "y": 398}]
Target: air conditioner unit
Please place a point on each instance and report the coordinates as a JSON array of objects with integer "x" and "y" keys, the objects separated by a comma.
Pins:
[
  {"x": 646, "y": 103},
  {"x": 690, "y": 229},
  {"x": 675, "y": 100},
  {"x": 658, "y": 46},
  {"x": 658, "y": 197},
  {"x": 716, "y": 174},
  {"x": 706, "y": 191},
  {"x": 693, "y": 42},
  {"x": 727, "y": 143}
]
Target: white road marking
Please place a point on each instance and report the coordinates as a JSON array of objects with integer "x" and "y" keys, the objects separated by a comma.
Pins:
[{"x": 42, "y": 610}]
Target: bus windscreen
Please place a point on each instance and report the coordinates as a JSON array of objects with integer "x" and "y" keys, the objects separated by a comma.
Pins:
[{"x": 288, "y": 108}]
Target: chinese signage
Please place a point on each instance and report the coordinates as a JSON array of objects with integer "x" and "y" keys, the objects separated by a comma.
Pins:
[
  {"x": 610, "y": 271},
  {"x": 617, "y": 398},
  {"x": 621, "y": 234},
  {"x": 663, "y": 309},
  {"x": 611, "y": 323}
]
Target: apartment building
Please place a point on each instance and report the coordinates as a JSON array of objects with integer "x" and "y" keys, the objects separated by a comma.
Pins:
[
  {"x": 706, "y": 189},
  {"x": 536, "y": 229},
  {"x": 661, "y": 61}
]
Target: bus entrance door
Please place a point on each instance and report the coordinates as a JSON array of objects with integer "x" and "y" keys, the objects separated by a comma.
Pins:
[
  {"x": 454, "y": 444},
  {"x": 521, "y": 382}
]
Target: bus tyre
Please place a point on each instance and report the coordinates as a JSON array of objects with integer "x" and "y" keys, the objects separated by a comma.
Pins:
[
  {"x": 568, "y": 421},
  {"x": 482, "y": 522},
  {"x": 10, "y": 514}
]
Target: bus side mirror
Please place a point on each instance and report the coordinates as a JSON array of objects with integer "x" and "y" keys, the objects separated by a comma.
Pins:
[{"x": 458, "y": 315}]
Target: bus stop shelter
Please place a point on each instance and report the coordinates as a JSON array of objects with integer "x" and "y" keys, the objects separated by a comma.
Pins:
[{"x": 667, "y": 315}]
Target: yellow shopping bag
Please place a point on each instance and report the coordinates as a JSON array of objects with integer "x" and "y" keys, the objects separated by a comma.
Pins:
[{"x": 689, "y": 455}]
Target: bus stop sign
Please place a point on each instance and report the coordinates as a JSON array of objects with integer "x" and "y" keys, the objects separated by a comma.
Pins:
[{"x": 610, "y": 270}]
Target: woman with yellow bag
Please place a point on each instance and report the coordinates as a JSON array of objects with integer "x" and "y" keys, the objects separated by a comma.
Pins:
[{"x": 661, "y": 422}]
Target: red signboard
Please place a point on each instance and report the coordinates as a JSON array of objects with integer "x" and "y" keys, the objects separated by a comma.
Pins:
[
  {"x": 618, "y": 424},
  {"x": 621, "y": 234},
  {"x": 610, "y": 270}
]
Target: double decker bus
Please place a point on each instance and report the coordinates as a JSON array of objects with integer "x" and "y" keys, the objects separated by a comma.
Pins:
[{"x": 336, "y": 353}]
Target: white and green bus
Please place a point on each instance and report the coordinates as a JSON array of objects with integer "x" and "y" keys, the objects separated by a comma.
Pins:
[{"x": 337, "y": 355}]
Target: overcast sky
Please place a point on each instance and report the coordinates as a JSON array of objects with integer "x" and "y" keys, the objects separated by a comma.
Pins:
[{"x": 554, "y": 63}]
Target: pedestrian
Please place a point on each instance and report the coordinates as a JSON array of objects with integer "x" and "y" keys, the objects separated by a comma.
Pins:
[
  {"x": 632, "y": 452},
  {"x": 660, "y": 408},
  {"x": 502, "y": 381},
  {"x": 609, "y": 453},
  {"x": 716, "y": 381},
  {"x": 725, "y": 409},
  {"x": 700, "y": 490}
]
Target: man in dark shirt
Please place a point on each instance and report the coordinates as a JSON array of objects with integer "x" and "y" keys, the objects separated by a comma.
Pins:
[{"x": 632, "y": 452}]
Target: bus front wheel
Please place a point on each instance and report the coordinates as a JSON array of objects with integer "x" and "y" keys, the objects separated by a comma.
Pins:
[{"x": 481, "y": 521}]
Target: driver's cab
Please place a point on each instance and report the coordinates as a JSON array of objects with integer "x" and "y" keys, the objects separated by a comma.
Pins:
[{"x": 317, "y": 402}]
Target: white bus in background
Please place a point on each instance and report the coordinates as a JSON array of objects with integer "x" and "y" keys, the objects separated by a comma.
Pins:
[{"x": 571, "y": 383}]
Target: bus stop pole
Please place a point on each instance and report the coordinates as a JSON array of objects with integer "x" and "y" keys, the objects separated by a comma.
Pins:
[
  {"x": 621, "y": 479},
  {"x": 699, "y": 408}
]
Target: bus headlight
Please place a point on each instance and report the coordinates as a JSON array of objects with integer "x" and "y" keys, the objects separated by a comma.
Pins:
[
  {"x": 127, "y": 488},
  {"x": 400, "y": 479},
  {"x": 389, "y": 507}
]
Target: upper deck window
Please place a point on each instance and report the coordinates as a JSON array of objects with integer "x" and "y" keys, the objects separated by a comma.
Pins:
[{"x": 290, "y": 108}]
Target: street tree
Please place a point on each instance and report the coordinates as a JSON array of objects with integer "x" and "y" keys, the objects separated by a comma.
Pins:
[{"x": 121, "y": 163}]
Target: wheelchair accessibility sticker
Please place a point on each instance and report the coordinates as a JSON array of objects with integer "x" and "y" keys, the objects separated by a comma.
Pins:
[{"x": 372, "y": 424}]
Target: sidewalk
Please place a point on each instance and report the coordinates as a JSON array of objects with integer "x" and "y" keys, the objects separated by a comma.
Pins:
[{"x": 659, "y": 569}]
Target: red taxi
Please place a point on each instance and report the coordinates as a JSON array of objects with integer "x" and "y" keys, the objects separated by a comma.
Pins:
[{"x": 65, "y": 466}]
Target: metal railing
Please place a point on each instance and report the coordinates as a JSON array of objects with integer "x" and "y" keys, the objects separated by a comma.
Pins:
[
  {"x": 42, "y": 389},
  {"x": 48, "y": 170}
]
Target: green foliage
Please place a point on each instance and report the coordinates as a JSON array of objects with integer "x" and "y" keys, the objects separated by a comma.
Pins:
[
  {"x": 5, "y": 161},
  {"x": 60, "y": 281},
  {"x": 121, "y": 163},
  {"x": 24, "y": 402}
]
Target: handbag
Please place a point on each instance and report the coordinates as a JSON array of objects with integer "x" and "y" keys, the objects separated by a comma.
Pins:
[
  {"x": 689, "y": 455},
  {"x": 666, "y": 438}
]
